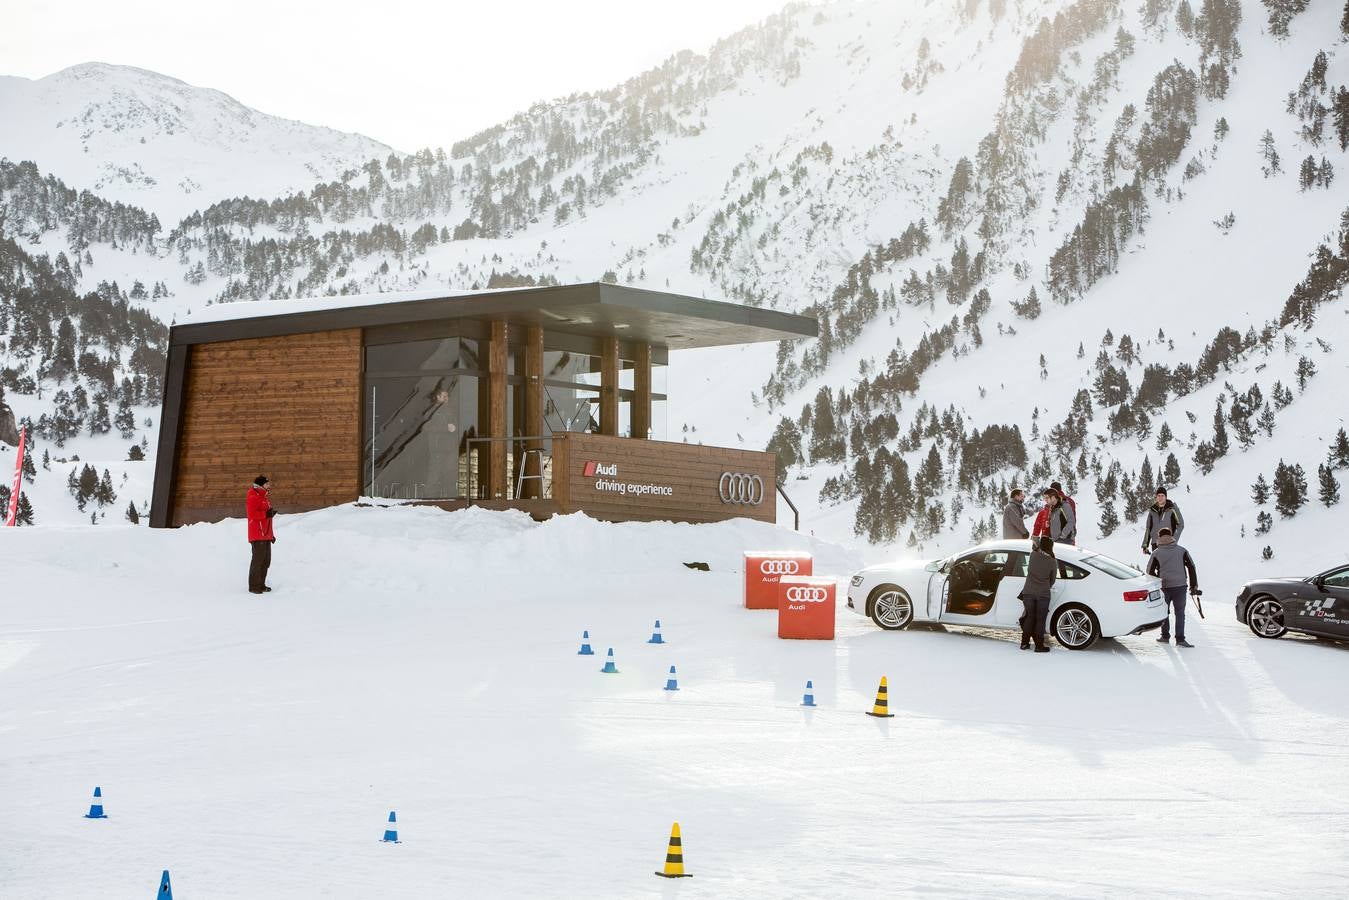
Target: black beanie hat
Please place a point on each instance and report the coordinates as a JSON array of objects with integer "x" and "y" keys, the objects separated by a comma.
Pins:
[
  {"x": 1162, "y": 491},
  {"x": 260, "y": 480}
]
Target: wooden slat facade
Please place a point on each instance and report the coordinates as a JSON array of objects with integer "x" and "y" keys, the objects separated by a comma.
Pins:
[{"x": 287, "y": 407}]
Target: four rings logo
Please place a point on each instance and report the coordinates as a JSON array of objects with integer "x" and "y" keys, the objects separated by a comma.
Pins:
[
  {"x": 797, "y": 594},
  {"x": 739, "y": 487},
  {"x": 779, "y": 567}
]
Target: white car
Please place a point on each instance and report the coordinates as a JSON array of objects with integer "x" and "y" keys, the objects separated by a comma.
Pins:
[{"x": 1094, "y": 596}]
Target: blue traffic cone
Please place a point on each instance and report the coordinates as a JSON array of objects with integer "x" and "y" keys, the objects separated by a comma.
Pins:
[
  {"x": 809, "y": 698},
  {"x": 655, "y": 635},
  {"x": 585, "y": 645},
  {"x": 165, "y": 889},
  {"x": 671, "y": 683},
  {"x": 96, "y": 808},
  {"x": 391, "y": 830},
  {"x": 609, "y": 667}
]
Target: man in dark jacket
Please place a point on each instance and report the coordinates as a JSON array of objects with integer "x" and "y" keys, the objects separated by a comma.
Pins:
[
  {"x": 1014, "y": 517},
  {"x": 1172, "y": 563},
  {"x": 260, "y": 536},
  {"x": 1161, "y": 514},
  {"x": 1040, "y": 575}
]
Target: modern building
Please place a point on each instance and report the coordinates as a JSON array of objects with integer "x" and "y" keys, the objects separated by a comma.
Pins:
[{"x": 546, "y": 399}]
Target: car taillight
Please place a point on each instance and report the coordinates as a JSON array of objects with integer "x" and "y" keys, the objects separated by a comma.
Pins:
[{"x": 1131, "y": 596}]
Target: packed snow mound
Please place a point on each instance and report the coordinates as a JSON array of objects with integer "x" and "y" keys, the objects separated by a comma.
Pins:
[
  {"x": 426, "y": 662},
  {"x": 153, "y": 141}
]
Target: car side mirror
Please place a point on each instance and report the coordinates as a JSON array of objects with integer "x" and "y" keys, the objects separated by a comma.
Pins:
[{"x": 1319, "y": 583}]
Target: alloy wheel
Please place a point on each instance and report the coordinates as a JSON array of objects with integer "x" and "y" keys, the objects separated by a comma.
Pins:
[
  {"x": 1266, "y": 618},
  {"x": 892, "y": 609},
  {"x": 1074, "y": 628}
]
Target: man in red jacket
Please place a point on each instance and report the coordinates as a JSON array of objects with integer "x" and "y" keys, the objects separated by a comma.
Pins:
[{"x": 260, "y": 536}]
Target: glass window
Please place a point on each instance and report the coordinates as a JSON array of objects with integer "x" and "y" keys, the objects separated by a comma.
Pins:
[
  {"x": 1109, "y": 566},
  {"x": 570, "y": 408},
  {"x": 1338, "y": 579},
  {"x": 571, "y": 368},
  {"x": 415, "y": 435},
  {"x": 436, "y": 355},
  {"x": 659, "y": 414},
  {"x": 1070, "y": 572}
]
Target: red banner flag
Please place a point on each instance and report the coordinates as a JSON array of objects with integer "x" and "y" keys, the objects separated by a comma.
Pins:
[{"x": 18, "y": 479}]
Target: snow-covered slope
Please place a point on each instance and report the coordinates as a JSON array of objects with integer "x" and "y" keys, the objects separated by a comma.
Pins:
[
  {"x": 156, "y": 142},
  {"x": 425, "y": 662},
  {"x": 909, "y": 173}
]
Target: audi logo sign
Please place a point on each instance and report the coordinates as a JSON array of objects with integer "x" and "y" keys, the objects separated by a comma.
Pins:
[
  {"x": 798, "y": 594},
  {"x": 741, "y": 488},
  {"x": 779, "y": 567}
]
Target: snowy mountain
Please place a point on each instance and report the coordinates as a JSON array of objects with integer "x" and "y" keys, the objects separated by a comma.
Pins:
[
  {"x": 153, "y": 141},
  {"x": 1045, "y": 239}
]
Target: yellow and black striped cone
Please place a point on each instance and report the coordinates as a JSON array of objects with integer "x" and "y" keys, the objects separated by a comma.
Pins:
[
  {"x": 674, "y": 856},
  {"x": 882, "y": 708}
]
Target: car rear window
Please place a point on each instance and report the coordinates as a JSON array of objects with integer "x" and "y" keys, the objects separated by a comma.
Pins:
[{"x": 1114, "y": 567}]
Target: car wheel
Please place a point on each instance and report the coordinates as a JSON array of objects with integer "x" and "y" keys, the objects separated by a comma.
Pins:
[
  {"x": 1265, "y": 618},
  {"x": 890, "y": 607},
  {"x": 1075, "y": 627}
]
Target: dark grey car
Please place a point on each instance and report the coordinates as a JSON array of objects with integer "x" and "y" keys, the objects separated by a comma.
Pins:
[{"x": 1318, "y": 605}]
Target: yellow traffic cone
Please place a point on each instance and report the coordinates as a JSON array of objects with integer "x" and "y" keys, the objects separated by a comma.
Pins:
[
  {"x": 674, "y": 856},
  {"x": 882, "y": 708}
]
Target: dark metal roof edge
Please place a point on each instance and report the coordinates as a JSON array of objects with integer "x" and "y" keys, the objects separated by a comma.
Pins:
[{"x": 487, "y": 303}]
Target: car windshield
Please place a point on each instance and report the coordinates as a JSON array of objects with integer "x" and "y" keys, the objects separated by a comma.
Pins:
[
  {"x": 1109, "y": 566},
  {"x": 939, "y": 565}
]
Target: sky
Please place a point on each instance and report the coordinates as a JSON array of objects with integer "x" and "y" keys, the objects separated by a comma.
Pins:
[{"x": 409, "y": 74}]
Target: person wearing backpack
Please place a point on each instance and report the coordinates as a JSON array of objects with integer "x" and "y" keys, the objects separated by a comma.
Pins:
[{"x": 1161, "y": 514}]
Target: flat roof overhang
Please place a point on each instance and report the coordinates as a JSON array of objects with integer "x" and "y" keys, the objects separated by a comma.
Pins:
[{"x": 595, "y": 309}]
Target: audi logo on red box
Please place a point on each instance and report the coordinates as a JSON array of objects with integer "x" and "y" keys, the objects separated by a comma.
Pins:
[
  {"x": 764, "y": 568},
  {"x": 806, "y": 607},
  {"x": 780, "y": 567}
]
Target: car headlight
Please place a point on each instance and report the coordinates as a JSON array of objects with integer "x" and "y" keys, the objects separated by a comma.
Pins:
[{"x": 856, "y": 581}]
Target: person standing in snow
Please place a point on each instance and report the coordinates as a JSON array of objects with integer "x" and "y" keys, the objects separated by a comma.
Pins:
[
  {"x": 1161, "y": 514},
  {"x": 1172, "y": 563},
  {"x": 1040, "y": 575},
  {"x": 1014, "y": 516},
  {"x": 1056, "y": 519},
  {"x": 1071, "y": 503},
  {"x": 260, "y": 535}
]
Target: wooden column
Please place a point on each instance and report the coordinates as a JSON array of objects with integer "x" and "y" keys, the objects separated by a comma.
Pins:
[
  {"x": 533, "y": 413},
  {"x": 496, "y": 411},
  {"x": 641, "y": 395},
  {"x": 609, "y": 386}
]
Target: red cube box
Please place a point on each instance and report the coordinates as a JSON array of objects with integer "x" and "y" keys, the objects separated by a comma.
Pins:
[
  {"x": 763, "y": 568},
  {"x": 806, "y": 607}
]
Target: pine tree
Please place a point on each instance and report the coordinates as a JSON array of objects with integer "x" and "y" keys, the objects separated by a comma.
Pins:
[
  {"x": 1267, "y": 553},
  {"x": 1109, "y": 520},
  {"x": 1185, "y": 18},
  {"x": 1220, "y": 445},
  {"x": 1260, "y": 490},
  {"x": 29, "y": 469},
  {"x": 1306, "y": 175},
  {"x": 24, "y": 512},
  {"x": 1339, "y": 451},
  {"x": 131, "y": 515},
  {"x": 1269, "y": 154},
  {"x": 1305, "y": 370},
  {"x": 125, "y": 420},
  {"x": 104, "y": 493},
  {"x": 1171, "y": 471},
  {"x": 1329, "y": 486},
  {"x": 1266, "y": 421},
  {"x": 1164, "y": 436},
  {"x": 136, "y": 454},
  {"x": 1290, "y": 489}
]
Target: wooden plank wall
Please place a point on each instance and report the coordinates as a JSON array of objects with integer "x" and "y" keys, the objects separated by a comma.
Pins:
[
  {"x": 691, "y": 470},
  {"x": 288, "y": 407}
]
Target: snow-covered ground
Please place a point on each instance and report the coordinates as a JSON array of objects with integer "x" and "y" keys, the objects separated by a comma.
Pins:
[{"x": 426, "y": 662}]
